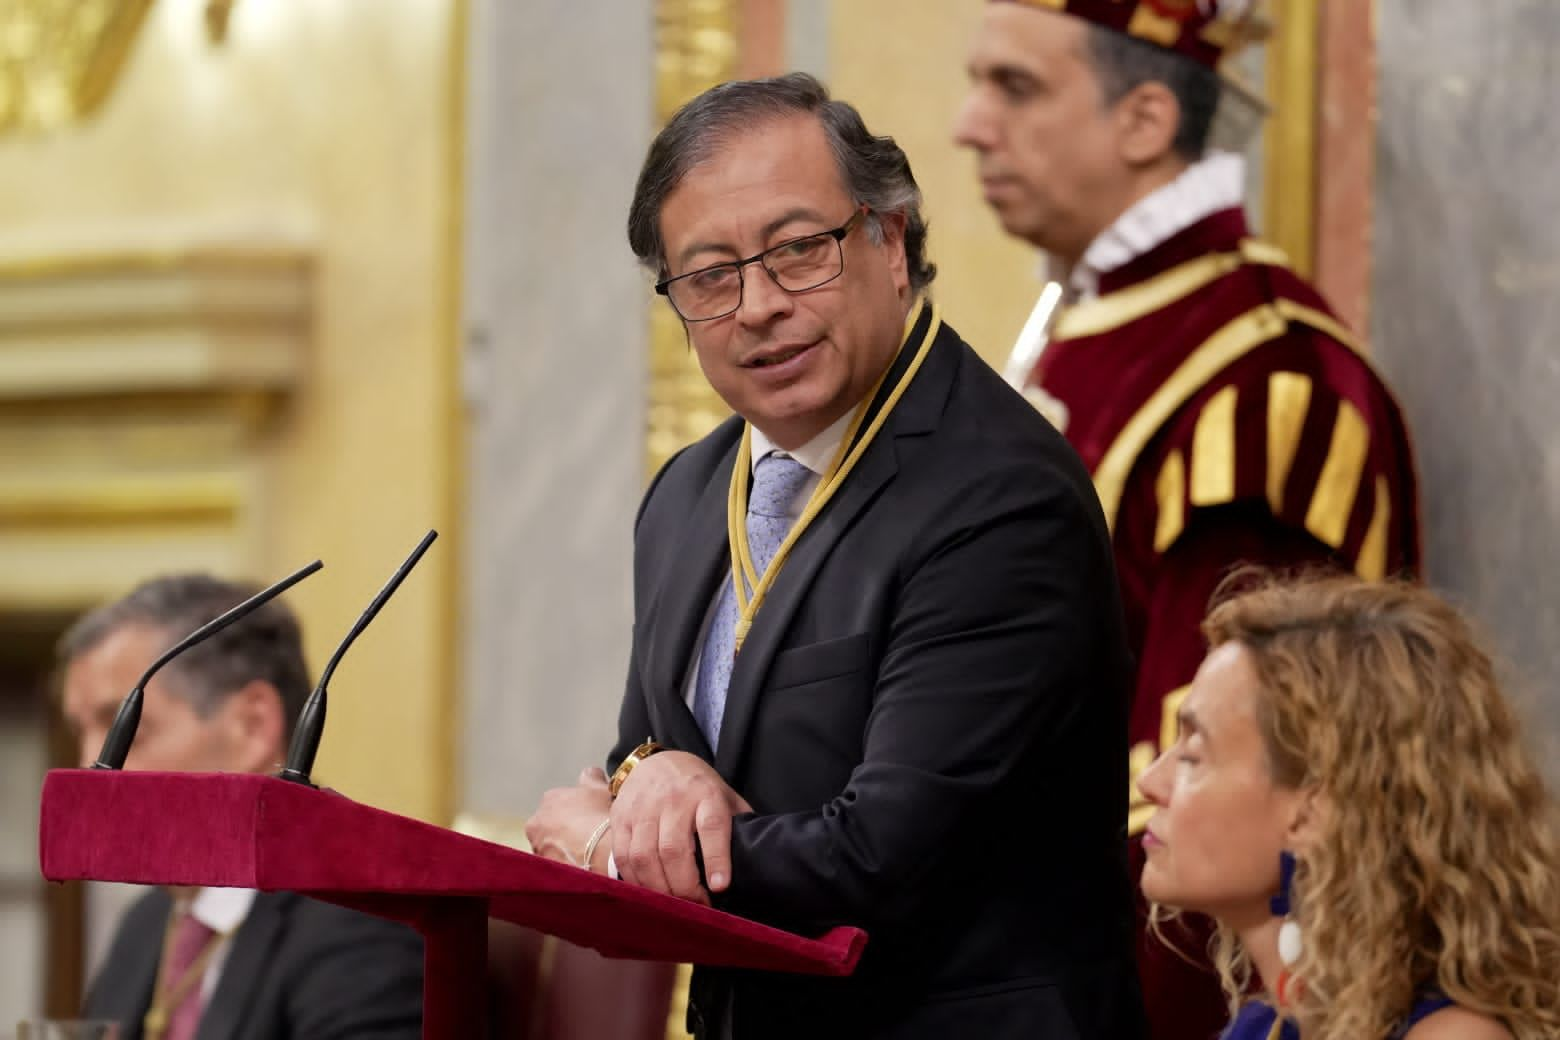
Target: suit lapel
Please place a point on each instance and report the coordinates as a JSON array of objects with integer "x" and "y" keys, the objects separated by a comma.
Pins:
[
  {"x": 247, "y": 961},
  {"x": 876, "y": 468},
  {"x": 916, "y": 413},
  {"x": 698, "y": 561}
]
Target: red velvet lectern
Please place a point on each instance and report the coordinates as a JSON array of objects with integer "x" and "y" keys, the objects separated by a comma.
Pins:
[{"x": 237, "y": 831}]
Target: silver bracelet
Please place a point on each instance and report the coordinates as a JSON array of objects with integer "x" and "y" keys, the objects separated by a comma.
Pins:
[
  {"x": 551, "y": 843},
  {"x": 595, "y": 839}
]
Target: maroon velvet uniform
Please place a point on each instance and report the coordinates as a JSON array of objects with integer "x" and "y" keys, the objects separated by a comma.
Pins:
[{"x": 1228, "y": 419}]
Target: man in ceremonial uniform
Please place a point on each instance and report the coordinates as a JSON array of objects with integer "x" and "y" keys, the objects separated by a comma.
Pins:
[
  {"x": 1225, "y": 414},
  {"x": 225, "y": 963},
  {"x": 875, "y": 618}
]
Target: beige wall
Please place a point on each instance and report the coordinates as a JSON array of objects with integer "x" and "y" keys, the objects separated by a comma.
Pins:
[
  {"x": 902, "y": 65},
  {"x": 328, "y": 126}
]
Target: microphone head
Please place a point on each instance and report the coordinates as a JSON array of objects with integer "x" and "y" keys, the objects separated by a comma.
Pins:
[
  {"x": 305, "y": 742},
  {"x": 311, "y": 721}
]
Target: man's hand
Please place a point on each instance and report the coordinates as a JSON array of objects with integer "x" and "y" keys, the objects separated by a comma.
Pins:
[
  {"x": 671, "y": 801},
  {"x": 562, "y": 824}
]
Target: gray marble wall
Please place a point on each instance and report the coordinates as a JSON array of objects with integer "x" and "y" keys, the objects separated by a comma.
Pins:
[
  {"x": 1467, "y": 307},
  {"x": 560, "y": 115}
]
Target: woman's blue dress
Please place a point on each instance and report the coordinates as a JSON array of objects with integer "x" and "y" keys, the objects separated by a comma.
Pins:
[{"x": 1255, "y": 1021}]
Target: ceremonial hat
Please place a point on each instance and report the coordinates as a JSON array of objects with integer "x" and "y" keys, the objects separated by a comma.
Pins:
[{"x": 1202, "y": 30}]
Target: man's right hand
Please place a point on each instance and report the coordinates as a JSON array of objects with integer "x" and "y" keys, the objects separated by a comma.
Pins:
[{"x": 671, "y": 806}]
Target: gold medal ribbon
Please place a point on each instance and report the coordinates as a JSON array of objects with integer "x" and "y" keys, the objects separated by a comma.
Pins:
[{"x": 743, "y": 574}]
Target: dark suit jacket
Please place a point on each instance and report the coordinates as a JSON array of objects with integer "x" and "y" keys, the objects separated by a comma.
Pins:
[
  {"x": 929, "y": 718},
  {"x": 297, "y": 970}
]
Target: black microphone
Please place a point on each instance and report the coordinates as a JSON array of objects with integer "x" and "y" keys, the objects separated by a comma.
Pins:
[
  {"x": 117, "y": 744},
  {"x": 311, "y": 721}
]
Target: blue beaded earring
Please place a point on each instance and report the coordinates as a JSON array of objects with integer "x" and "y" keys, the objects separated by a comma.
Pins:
[{"x": 1290, "y": 941}]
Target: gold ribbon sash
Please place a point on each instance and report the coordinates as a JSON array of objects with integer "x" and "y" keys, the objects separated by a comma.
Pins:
[{"x": 743, "y": 574}]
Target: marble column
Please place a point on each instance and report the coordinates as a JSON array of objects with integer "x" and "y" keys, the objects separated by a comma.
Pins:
[
  {"x": 1467, "y": 308},
  {"x": 561, "y": 111}
]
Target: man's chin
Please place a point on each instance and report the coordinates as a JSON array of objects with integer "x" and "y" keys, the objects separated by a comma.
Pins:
[
  {"x": 796, "y": 417},
  {"x": 1031, "y": 232},
  {"x": 1018, "y": 223}
]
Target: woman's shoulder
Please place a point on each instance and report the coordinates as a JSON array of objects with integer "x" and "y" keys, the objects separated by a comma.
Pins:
[{"x": 1455, "y": 1023}]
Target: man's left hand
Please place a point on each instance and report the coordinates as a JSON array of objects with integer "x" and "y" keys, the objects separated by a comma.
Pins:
[
  {"x": 562, "y": 825},
  {"x": 671, "y": 805}
]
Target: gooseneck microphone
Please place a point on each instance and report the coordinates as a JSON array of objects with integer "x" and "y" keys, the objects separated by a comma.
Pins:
[
  {"x": 311, "y": 721},
  {"x": 117, "y": 744}
]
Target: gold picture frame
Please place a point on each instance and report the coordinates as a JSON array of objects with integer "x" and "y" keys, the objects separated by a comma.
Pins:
[{"x": 1289, "y": 146}]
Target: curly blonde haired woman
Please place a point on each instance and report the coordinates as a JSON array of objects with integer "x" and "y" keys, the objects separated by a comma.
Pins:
[{"x": 1358, "y": 731}]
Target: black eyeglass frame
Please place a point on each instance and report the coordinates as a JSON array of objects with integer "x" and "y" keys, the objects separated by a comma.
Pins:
[{"x": 838, "y": 234}]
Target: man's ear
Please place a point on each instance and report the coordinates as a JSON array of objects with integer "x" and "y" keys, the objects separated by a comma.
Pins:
[
  {"x": 893, "y": 225},
  {"x": 1147, "y": 120},
  {"x": 255, "y": 724}
]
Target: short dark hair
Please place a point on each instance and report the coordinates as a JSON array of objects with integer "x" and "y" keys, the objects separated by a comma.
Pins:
[
  {"x": 1123, "y": 63},
  {"x": 268, "y": 644},
  {"x": 874, "y": 169}
]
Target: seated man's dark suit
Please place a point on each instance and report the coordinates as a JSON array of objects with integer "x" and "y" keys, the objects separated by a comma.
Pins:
[
  {"x": 297, "y": 969},
  {"x": 928, "y": 716}
]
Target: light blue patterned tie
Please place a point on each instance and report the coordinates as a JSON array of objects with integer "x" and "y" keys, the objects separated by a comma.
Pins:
[{"x": 776, "y": 481}]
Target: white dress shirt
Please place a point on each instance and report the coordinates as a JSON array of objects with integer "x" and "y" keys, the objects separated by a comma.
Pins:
[
  {"x": 222, "y": 910},
  {"x": 817, "y": 455}
]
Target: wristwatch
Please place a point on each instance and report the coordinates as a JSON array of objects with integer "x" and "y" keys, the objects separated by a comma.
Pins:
[{"x": 636, "y": 756}]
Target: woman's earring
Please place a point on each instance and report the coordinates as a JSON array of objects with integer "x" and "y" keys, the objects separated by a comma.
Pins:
[{"x": 1290, "y": 941}]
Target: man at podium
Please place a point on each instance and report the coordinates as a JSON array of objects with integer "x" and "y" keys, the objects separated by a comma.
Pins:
[
  {"x": 879, "y": 674},
  {"x": 228, "y": 964}
]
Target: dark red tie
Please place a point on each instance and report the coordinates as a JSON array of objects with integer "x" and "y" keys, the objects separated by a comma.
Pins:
[{"x": 190, "y": 939}]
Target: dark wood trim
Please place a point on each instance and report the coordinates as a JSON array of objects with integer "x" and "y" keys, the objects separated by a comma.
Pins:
[{"x": 65, "y": 908}]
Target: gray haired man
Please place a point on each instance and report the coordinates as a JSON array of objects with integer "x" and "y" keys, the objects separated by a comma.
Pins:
[{"x": 233, "y": 964}]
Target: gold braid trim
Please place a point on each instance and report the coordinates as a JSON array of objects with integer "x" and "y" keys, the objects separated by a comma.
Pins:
[
  {"x": 1223, "y": 348},
  {"x": 1124, "y": 306}
]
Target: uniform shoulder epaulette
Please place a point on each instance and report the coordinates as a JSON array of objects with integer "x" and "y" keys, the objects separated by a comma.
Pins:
[
  {"x": 1266, "y": 316},
  {"x": 1277, "y": 403},
  {"x": 1303, "y": 428}
]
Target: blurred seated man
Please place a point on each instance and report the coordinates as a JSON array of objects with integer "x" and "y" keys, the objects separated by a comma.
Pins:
[
  {"x": 223, "y": 963},
  {"x": 1350, "y": 799}
]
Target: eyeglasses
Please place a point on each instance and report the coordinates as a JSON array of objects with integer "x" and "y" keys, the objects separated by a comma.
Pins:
[{"x": 796, "y": 266}]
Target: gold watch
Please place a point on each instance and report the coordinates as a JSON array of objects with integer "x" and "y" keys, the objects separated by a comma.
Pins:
[{"x": 636, "y": 756}]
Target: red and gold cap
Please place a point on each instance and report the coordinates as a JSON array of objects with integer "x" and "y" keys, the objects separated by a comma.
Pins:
[{"x": 1203, "y": 30}]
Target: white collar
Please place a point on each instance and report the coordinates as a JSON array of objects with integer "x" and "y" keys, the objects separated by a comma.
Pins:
[
  {"x": 222, "y": 909},
  {"x": 817, "y": 454},
  {"x": 1204, "y": 188}
]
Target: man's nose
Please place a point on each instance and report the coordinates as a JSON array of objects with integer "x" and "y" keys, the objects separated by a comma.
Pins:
[
  {"x": 762, "y": 298},
  {"x": 971, "y": 127}
]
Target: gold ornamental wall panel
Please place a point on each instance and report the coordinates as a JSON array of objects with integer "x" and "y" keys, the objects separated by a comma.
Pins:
[
  {"x": 59, "y": 59},
  {"x": 134, "y": 389},
  {"x": 696, "y": 48}
]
